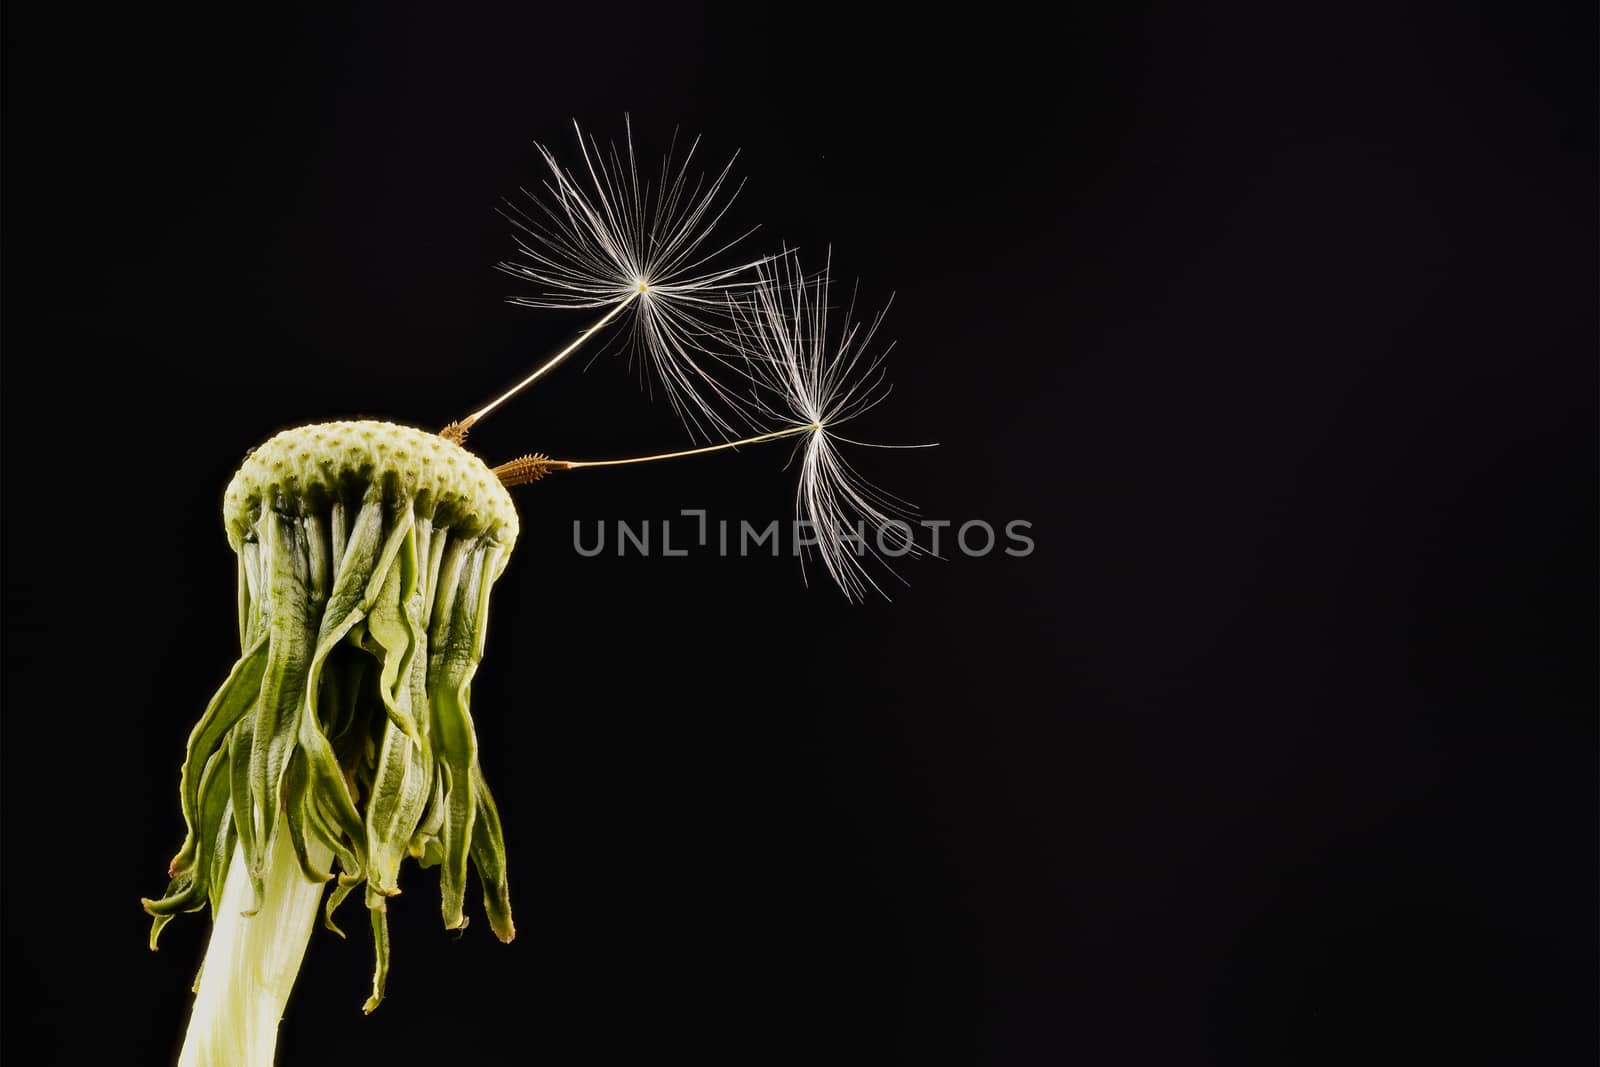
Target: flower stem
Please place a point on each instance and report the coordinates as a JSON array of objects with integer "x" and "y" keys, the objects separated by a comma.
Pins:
[
  {"x": 526, "y": 469},
  {"x": 571, "y": 464},
  {"x": 251, "y": 962},
  {"x": 457, "y": 431}
]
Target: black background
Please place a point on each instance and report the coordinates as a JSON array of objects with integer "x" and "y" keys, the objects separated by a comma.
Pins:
[{"x": 1278, "y": 325}]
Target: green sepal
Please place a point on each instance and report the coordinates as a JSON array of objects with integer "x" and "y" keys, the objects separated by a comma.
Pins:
[
  {"x": 402, "y": 784},
  {"x": 336, "y": 897},
  {"x": 222, "y": 858},
  {"x": 188, "y": 891},
  {"x": 451, "y": 666},
  {"x": 380, "y": 945},
  {"x": 295, "y": 798},
  {"x": 426, "y": 847},
  {"x": 284, "y": 684},
  {"x": 230, "y": 704},
  {"x": 489, "y": 857},
  {"x": 319, "y": 824},
  {"x": 157, "y": 924},
  {"x": 391, "y": 625},
  {"x": 242, "y": 803}
]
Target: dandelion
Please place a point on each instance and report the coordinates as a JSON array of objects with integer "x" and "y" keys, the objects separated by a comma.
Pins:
[
  {"x": 366, "y": 553},
  {"x": 342, "y": 742},
  {"x": 805, "y": 383},
  {"x": 601, "y": 237}
]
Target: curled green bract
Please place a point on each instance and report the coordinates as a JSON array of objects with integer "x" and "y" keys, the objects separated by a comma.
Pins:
[{"x": 366, "y": 555}]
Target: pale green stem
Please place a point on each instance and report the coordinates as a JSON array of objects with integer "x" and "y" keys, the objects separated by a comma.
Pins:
[{"x": 251, "y": 961}]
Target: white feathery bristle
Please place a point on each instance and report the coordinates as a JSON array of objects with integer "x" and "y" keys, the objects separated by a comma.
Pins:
[
  {"x": 820, "y": 384},
  {"x": 599, "y": 237}
]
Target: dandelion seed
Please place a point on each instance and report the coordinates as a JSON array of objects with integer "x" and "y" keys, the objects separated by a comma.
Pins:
[
  {"x": 804, "y": 384},
  {"x": 602, "y": 237},
  {"x": 817, "y": 384}
]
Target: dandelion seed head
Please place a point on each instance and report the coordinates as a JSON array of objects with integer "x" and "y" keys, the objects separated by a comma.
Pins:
[
  {"x": 602, "y": 235},
  {"x": 817, "y": 381}
]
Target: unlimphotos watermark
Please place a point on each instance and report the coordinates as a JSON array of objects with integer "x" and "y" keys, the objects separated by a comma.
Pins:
[{"x": 693, "y": 531}]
